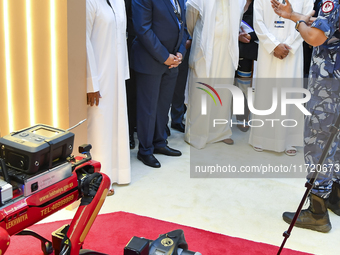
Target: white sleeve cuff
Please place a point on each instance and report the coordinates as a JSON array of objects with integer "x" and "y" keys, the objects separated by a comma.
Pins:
[{"x": 92, "y": 84}]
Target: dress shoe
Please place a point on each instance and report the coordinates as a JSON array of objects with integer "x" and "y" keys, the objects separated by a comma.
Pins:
[
  {"x": 132, "y": 142},
  {"x": 167, "y": 151},
  {"x": 149, "y": 160},
  {"x": 178, "y": 126}
]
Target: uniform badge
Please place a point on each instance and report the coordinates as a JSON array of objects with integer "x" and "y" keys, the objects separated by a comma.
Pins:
[{"x": 327, "y": 7}]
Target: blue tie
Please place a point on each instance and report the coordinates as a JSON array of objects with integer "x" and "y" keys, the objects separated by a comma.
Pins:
[{"x": 176, "y": 10}]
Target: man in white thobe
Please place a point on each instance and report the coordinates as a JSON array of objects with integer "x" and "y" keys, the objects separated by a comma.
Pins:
[
  {"x": 214, "y": 28},
  {"x": 107, "y": 70},
  {"x": 280, "y": 56}
]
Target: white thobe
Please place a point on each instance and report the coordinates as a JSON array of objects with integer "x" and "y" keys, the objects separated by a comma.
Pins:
[
  {"x": 276, "y": 137},
  {"x": 212, "y": 65},
  {"x": 107, "y": 70}
]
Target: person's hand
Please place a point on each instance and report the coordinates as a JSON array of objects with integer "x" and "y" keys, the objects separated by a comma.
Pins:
[
  {"x": 281, "y": 51},
  {"x": 244, "y": 36},
  {"x": 178, "y": 59},
  {"x": 93, "y": 98},
  {"x": 179, "y": 56},
  {"x": 286, "y": 11},
  {"x": 170, "y": 60},
  {"x": 188, "y": 44},
  {"x": 173, "y": 61},
  {"x": 283, "y": 10},
  {"x": 312, "y": 19}
]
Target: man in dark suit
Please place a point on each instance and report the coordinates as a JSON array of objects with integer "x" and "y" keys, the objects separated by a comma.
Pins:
[{"x": 157, "y": 52}]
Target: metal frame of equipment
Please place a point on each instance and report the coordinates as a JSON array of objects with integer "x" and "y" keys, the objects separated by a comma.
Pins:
[{"x": 40, "y": 192}]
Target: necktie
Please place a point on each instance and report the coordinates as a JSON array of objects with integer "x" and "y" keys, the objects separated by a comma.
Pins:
[
  {"x": 177, "y": 6},
  {"x": 177, "y": 11}
]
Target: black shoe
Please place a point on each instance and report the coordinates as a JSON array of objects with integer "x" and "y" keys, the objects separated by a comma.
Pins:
[
  {"x": 132, "y": 142},
  {"x": 178, "y": 126},
  {"x": 315, "y": 217},
  {"x": 333, "y": 202},
  {"x": 149, "y": 160},
  {"x": 167, "y": 151}
]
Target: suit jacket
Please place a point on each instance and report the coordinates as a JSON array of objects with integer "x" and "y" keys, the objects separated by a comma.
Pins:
[{"x": 158, "y": 34}]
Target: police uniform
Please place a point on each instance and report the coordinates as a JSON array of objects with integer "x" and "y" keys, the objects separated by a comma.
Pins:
[{"x": 324, "y": 85}]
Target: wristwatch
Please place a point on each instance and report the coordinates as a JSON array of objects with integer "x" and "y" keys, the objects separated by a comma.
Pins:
[{"x": 298, "y": 23}]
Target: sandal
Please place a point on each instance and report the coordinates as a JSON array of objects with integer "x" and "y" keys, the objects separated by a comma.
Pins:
[
  {"x": 110, "y": 192},
  {"x": 228, "y": 141},
  {"x": 258, "y": 149},
  {"x": 291, "y": 151}
]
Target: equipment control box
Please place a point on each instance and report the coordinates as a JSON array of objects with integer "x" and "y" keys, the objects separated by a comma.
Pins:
[{"x": 36, "y": 148}]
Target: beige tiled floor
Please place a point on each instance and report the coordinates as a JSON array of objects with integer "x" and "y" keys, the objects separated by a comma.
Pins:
[{"x": 249, "y": 208}]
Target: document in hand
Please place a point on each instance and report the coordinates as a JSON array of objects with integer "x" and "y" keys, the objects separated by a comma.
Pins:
[{"x": 246, "y": 27}]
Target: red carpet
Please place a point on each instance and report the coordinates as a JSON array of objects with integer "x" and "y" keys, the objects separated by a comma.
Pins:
[{"x": 111, "y": 232}]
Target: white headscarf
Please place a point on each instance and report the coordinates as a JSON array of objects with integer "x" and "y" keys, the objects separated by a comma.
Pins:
[{"x": 207, "y": 10}]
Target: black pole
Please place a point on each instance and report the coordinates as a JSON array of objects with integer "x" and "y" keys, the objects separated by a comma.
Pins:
[{"x": 309, "y": 184}]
